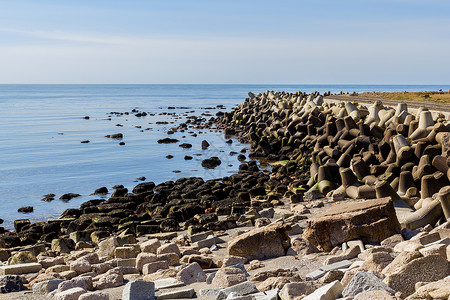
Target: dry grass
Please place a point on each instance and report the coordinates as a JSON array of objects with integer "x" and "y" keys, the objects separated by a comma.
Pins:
[{"x": 441, "y": 97}]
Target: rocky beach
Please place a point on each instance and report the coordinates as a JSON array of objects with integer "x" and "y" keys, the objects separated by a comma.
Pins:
[{"x": 354, "y": 205}]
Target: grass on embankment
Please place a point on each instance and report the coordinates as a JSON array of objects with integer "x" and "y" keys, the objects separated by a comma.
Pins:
[{"x": 441, "y": 97}]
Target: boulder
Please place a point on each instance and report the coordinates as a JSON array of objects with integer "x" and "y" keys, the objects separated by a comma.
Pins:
[
  {"x": 150, "y": 268},
  {"x": 110, "y": 279},
  {"x": 150, "y": 246},
  {"x": 329, "y": 291},
  {"x": 10, "y": 283},
  {"x": 434, "y": 290},
  {"x": 365, "y": 281},
  {"x": 144, "y": 258},
  {"x": 70, "y": 294},
  {"x": 429, "y": 268},
  {"x": 168, "y": 248},
  {"x": 226, "y": 277},
  {"x": 139, "y": 289},
  {"x": 45, "y": 287},
  {"x": 265, "y": 242},
  {"x": 94, "y": 296},
  {"x": 372, "y": 221},
  {"x": 294, "y": 290},
  {"x": 191, "y": 273},
  {"x": 80, "y": 265}
]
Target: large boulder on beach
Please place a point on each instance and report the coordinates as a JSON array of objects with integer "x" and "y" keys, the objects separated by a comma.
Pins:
[
  {"x": 371, "y": 221},
  {"x": 264, "y": 242}
]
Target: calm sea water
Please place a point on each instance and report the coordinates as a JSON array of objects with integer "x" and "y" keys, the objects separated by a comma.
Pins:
[{"x": 42, "y": 126}]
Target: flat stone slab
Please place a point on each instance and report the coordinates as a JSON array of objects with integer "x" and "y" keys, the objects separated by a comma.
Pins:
[
  {"x": 162, "y": 235},
  {"x": 314, "y": 275},
  {"x": 242, "y": 289},
  {"x": 267, "y": 295},
  {"x": 139, "y": 289},
  {"x": 337, "y": 265},
  {"x": 20, "y": 269},
  {"x": 200, "y": 236},
  {"x": 166, "y": 283},
  {"x": 182, "y": 294},
  {"x": 209, "y": 292}
]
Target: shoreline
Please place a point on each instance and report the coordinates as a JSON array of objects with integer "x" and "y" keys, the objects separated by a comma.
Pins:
[{"x": 310, "y": 140}]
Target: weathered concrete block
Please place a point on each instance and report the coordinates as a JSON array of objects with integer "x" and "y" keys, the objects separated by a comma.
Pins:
[{"x": 20, "y": 269}]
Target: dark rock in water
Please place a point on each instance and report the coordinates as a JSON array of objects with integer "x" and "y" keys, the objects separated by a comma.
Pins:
[
  {"x": 230, "y": 131},
  {"x": 169, "y": 156},
  {"x": 185, "y": 145},
  {"x": 1, "y": 221},
  {"x": 49, "y": 197},
  {"x": 25, "y": 209},
  {"x": 118, "y": 186},
  {"x": 141, "y": 178},
  {"x": 233, "y": 153},
  {"x": 187, "y": 157},
  {"x": 167, "y": 141},
  {"x": 85, "y": 142},
  {"x": 115, "y": 136},
  {"x": 229, "y": 141},
  {"x": 176, "y": 171},
  {"x": 205, "y": 144},
  {"x": 86, "y": 117},
  {"x": 11, "y": 283},
  {"x": 119, "y": 192},
  {"x": 144, "y": 187},
  {"x": 241, "y": 157},
  {"x": 101, "y": 191},
  {"x": 122, "y": 143},
  {"x": 211, "y": 163},
  {"x": 69, "y": 196}
]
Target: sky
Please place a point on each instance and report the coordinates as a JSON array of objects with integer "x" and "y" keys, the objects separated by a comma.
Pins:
[{"x": 230, "y": 42}]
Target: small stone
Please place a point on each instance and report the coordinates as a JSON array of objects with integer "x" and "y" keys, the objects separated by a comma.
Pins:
[
  {"x": 226, "y": 277},
  {"x": 139, "y": 290},
  {"x": 180, "y": 294},
  {"x": 45, "y": 287},
  {"x": 242, "y": 289},
  {"x": 152, "y": 267},
  {"x": 70, "y": 294},
  {"x": 144, "y": 258},
  {"x": 94, "y": 296},
  {"x": 191, "y": 273},
  {"x": 291, "y": 291},
  {"x": 150, "y": 246},
  {"x": 330, "y": 291},
  {"x": 168, "y": 248}
]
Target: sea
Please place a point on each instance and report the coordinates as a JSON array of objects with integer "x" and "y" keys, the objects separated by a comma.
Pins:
[{"x": 42, "y": 128}]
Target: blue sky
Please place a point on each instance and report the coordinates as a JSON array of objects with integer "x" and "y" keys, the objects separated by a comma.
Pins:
[{"x": 366, "y": 42}]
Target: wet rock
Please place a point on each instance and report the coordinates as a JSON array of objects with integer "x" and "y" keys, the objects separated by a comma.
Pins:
[
  {"x": 205, "y": 144},
  {"x": 49, "y": 197},
  {"x": 115, "y": 136},
  {"x": 167, "y": 141},
  {"x": 211, "y": 163},
  {"x": 185, "y": 145},
  {"x": 26, "y": 209},
  {"x": 371, "y": 221},
  {"x": 69, "y": 196},
  {"x": 101, "y": 191}
]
